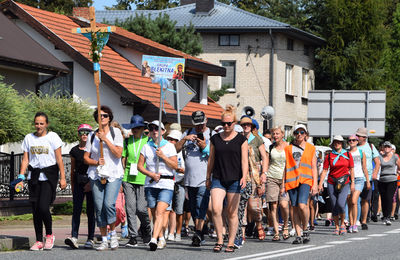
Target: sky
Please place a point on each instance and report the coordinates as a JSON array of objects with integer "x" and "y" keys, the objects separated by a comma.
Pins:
[{"x": 99, "y": 4}]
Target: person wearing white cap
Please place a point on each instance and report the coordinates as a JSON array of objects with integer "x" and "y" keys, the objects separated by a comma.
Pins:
[
  {"x": 371, "y": 154},
  {"x": 159, "y": 186},
  {"x": 341, "y": 173},
  {"x": 300, "y": 177},
  {"x": 178, "y": 200}
]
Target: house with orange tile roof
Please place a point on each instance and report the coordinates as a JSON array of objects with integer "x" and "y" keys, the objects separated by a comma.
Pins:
[{"x": 122, "y": 87}]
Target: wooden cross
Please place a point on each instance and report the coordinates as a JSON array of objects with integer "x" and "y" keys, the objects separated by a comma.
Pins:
[{"x": 93, "y": 29}]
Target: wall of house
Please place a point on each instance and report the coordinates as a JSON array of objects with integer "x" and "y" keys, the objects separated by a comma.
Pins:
[
  {"x": 22, "y": 80},
  {"x": 83, "y": 84},
  {"x": 252, "y": 69},
  {"x": 252, "y": 74}
]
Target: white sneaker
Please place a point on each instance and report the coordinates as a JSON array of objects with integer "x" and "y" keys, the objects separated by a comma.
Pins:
[
  {"x": 171, "y": 237},
  {"x": 114, "y": 242},
  {"x": 358, "y": 223},
  {"x": 89, "y": 244},
  {"x": 72, "y": 242},
  {"x": 292, "y": 232},
  {"x": 270, "y": 231},
  {"x": 103, "y": 246},
  {"x": 161, "y": 244},
  {"x": 178, "y": 238}
]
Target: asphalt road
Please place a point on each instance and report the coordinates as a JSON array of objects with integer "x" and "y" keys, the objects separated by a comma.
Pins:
[{"x": 379, "y": 242}]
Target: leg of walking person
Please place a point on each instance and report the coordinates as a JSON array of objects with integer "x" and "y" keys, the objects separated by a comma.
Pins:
[
  {"x": 394, "y": 203},
  {"x": 284, "y": 206},
  {"x": 130, "y": 205},
  {"x": 91, "y": 219},
  {"x": 365, "y": 203},
  {"x": 111, "y": 192},
  {"x": 180, "y": 200},
  {"x": 232, "y": 209},
  {"x": 244, "y": 198},
  {"x": 387, "y": 190},
  {"x": 77, "y": 198},
  {"x": 273, "y": 209},
  {"x": 143, "y": 213},
  {"x": 341, "y": 206},
  {"x": 217, "y": 200},
  {"x": 335, "y": 213},
  {"x": 45, "y": 199}
]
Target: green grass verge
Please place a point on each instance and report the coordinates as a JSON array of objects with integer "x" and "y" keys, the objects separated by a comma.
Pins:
[{"x": 24, "y": 217}]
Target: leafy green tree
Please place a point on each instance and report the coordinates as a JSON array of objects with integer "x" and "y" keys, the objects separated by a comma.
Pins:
[
  {"x": 14, "y": 122},
  {"x": 162, "y": 30},
  {"x": 57, "y": 6},
  {"x": 144, "y": 4}
]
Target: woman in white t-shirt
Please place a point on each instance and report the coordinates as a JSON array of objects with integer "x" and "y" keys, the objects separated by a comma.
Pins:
[
  {"x": 360, "y": 177},
  {"x": 105, "y": 180},
  {"x": 159, "y": 185},
  {"x": 42, "y": 157}
]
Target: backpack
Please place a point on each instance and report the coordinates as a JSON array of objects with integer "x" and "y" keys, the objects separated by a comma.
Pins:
[{"x": 94, "y": 134}]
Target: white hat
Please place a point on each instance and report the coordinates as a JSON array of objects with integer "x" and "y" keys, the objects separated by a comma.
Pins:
[
  {"x": 175, "y": 134},
  {"x": 155, "y": 122},
  {"x": 175, "y": 126},
  {"x": 300, "y": 126}
]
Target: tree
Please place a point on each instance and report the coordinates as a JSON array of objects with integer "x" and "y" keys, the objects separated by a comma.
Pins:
[
  {"x": 58, "y": 6},
  {"x": 144, "y": 4},
  {"x": 162, "y": 30}
]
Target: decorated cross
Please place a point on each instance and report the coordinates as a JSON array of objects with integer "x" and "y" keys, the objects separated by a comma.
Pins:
[{"x": 98, "y": 37}]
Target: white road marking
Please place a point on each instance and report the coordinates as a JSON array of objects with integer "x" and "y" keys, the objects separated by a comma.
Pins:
[
  {"x": 293, "y": 252},
  {"x": 358, "y": 238},
  {"x": 271, "y": 252},
  {"x": 377, "y": 235},
  {"x": 393, "y": 232},
  {"x": 338, "y": 242}
]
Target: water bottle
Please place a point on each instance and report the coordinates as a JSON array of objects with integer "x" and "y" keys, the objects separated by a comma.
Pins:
[
  {"x": 180, "y": 163},
  {"x": 17, "y": 185}
]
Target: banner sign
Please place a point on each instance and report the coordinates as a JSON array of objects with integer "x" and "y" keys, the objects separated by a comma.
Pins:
[{"x": 163, "y": 67}]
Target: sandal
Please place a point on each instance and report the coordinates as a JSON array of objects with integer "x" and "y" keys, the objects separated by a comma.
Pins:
[
  {"x": 336, "y": 232},
  {"x": 343, "y": 230},
  {"x": 218, "y": 248},
  {"x": 276, "y": 237},
  {"x": 285, "y": 234},
  {"x": 230, "y": 249},
  {"x": 261, "y": 234}
]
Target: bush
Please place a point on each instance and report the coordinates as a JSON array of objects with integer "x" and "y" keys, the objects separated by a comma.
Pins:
[
  {"x": 66, "y": 208},
  {"x": 65, "y": 114},
  {"x": 14, "y": 121}
]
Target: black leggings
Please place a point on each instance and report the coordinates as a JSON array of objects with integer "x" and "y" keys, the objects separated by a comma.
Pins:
[
  {"x": 387, "y": 190},
  {"x": 41, "y": 210}
]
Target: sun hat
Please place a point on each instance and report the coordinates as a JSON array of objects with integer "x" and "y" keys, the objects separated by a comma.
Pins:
[
  {"x": 175, "y": 126},
  {"x": 246, "y": 120},
  {"x": 387, "y": 143},
  {"x": 136, "y": 121},
  {"x": 175, "y": 134},
  {"x": 362, "y": 131}
]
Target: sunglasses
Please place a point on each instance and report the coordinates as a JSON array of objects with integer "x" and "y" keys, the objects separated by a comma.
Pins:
[
  {"x": 83, "y": 133},
  {"x": 299, "y": 132},
  {"x": 104, "y": 115},
  {"x": 352, "y": 140},
  {"x": 226, "y": 123},
  {"x": 153, "y": 127},
  {"x": 245, "y": 124}
]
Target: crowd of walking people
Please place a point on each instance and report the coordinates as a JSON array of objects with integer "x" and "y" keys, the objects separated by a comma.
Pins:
[{"x": 229, "y": 181}]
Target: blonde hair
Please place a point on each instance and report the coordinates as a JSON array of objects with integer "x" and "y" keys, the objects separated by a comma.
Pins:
[
  {"x": 230, "y": 111},
  {"x": 278, "y": 128}
]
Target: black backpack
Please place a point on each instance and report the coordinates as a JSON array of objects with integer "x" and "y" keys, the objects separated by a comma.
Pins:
[{"x": 94, "y": 134}]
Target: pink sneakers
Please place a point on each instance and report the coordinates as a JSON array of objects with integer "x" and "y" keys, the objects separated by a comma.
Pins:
[
  {"x": 49, "y": 242},
  {"x": 37, "y": 246}
]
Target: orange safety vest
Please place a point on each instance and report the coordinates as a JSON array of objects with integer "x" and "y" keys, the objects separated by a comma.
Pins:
[{"x": 301, "y": 174}]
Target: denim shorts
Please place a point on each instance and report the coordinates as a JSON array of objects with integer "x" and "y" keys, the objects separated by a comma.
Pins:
[
  {"x": 155, "y": 195},
  {"x": 299, "y": 194},
  {"x": 359, "y": 183},
  {"x": 198, "y": 201},
  {"x": 228, "y": 186}
]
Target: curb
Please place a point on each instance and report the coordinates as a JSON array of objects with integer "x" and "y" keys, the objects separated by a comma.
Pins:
[{"x": 13, "y": 243}]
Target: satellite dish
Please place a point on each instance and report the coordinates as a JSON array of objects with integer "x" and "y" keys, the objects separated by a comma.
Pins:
[
  {"x": 267, "y": 112},
  {"x": 248, "y": 111}
]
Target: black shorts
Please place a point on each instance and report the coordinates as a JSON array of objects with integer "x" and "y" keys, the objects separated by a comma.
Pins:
[{"x": 366, "y": 194}]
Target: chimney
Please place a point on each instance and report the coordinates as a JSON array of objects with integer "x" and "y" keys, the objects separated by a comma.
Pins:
[
  {"x": 187, "y": 2},
  {"x": 81, "y": 12},
  {"x": 204, "y": 6}
]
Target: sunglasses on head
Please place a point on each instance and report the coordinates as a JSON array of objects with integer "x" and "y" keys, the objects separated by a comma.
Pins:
[
  {"x": 302, "y": 132},
  {"x": 83, "y": 132},
  {"x": 153, "y": 127},
  {"x": 226, "y": 123},
  {"x": 104, "y": 115},
  {"x": 352, "y": 140}
]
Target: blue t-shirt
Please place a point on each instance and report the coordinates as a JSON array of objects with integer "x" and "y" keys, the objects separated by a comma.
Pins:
[{"x": 370, "y": 155}]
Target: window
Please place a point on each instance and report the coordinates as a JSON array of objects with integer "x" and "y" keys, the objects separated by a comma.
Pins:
[
  {"x": 229, "y": 40},
  {"x": 306, "y": 83},
  {"x": 289, "y": 44},
  {"x": 63, "y": 85},
  {"x": 306, "y": 51},
  {"x": 195, "y": 83},
  {"x": 288, "y": 131},
  {"x": 229, "y": 79},
  {"x": 288, "y": 79}
]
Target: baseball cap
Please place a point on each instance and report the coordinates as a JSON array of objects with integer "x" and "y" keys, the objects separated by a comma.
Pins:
[
  {"x": 155, "y": 122},
  {"x": 387, "y": 143},
  {"x": 362, "y": 131},
  {"x": 198, "y": 118},
  {"x": 85, "y": 127},
  {"x": 300, "y": 126},
  {"x": 175, "y": 134}
]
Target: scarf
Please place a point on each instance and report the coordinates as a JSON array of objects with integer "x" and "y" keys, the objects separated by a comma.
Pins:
[
  {"x": 338, "y": 155},
  {"x": 251, "y": 137},
  {"x": 153, "y": 144}
]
